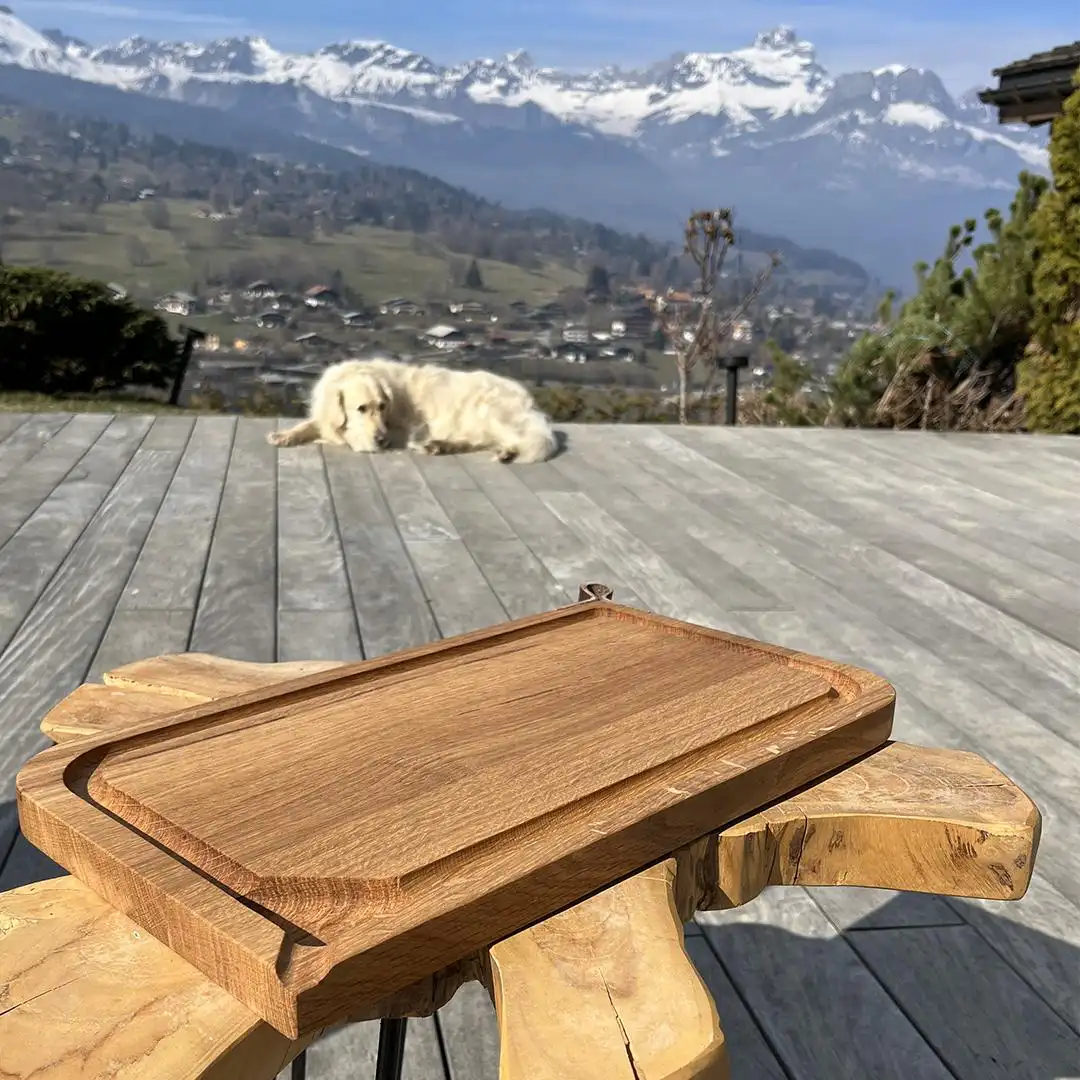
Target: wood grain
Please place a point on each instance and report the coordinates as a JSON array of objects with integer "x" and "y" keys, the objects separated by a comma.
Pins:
[
  {"x": 237, "y": 611},
  {"x": 391, "y": 608},
  {"x": 966, "y": 831},
  {"x": 241, "y": 892},
  {"x": 91, "y": 709},
  {"x": 208, "y": 678},
  {"x": 579, "y": 995},
  {"x": 52, "y": 649},
  {"x": 1025, "y": 1041},
  {"x": 24, "y": 487},
  {"x": 85, "y": 994},
  {"x": 56, "y": 514},
  {"x": 556, "y": 546},
  {"x": 630, "y": 934},
  {"x": 846, "y": 614},
  {"x": 823, "y": 1012}
]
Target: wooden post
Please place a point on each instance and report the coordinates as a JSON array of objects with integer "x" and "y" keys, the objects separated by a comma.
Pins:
[{"x": 191, "y": 335}]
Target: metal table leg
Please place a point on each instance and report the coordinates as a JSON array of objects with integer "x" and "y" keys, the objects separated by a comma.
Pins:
[
  {"x": 391, "y": 1049},
  {"x": 299, "y": 1066}
]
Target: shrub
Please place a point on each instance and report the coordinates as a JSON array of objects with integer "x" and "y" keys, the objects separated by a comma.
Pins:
[
  {"x": 1048, "y": 378},
  {"x": 60, "y": 334}
]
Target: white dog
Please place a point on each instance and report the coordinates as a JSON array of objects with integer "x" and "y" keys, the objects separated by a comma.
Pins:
[{"x": 371, "y": 405}]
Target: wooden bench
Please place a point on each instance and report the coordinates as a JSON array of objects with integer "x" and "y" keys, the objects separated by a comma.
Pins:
[{"x": 601, "y": 991}]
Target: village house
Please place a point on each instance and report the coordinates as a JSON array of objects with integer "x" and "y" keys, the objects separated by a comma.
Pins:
[
  {"x": 553, "y": 309},
  {"x": 260, "y": 290},
  {"x": 622, "y": 353},
  {"x": 321, "y": 296},
  {"x": 401, "y": 306},
  {"x": 576, "y": 333},
  {"x": 357, "y": 320},
  {"x": 470, "y": 310},
  {"x": 635, "y": 320},
  {"x": 271, "y": 320},
  {"x": 177, "y": 303},
  {"x": 443, "y": 337},
  {"x": 117, "y": 290},
  {"x": 571, "y": 353},
  {"x": 312, "y": 340}
]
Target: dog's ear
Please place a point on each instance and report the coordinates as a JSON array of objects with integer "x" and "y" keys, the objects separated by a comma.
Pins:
[{"x": 386, "y": 391}]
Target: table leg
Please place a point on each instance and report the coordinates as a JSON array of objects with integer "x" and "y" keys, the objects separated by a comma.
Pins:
[
  {"x": 299, "y": 1067},
  {"x": 391, "y": 1057}
]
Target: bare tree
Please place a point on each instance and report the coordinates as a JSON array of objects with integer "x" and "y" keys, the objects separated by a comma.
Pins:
[{"x": 697, "y": 330}]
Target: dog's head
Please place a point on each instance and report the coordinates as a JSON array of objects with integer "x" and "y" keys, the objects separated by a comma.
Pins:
[{"x": 363, "y": 404}]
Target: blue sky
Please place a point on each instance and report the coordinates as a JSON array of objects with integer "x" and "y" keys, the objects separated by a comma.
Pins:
[{"x": 960, "y": 39}]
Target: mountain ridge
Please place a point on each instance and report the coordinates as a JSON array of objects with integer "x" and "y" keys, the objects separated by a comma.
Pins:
[{"x": 796, "y": 149}]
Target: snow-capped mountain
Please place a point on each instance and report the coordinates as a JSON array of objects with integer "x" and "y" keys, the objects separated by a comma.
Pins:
[{"x": 875, "y": 164}]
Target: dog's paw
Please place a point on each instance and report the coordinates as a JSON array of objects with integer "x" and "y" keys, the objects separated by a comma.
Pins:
[
  {"x": 504, "y": 457},
  {"x": 278, "y": 438},
  {"x": 436, "y": 447}
]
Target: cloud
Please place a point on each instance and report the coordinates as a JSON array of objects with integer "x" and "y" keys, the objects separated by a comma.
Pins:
[{"x": 151, "y": 15}]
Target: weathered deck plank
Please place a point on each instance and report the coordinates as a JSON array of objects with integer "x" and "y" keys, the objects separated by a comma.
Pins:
[
  {"x": 315, "y": 612},
  {"x": 554, "y": 544},
  {"x": 824, "y": 1013},
  {"x": 9, "y": 421},
  {"x": 1025, "y": 1041},
  {"x": 158, "y": 607},
  {"x": 460, "y": 597},
  {"x": 24, "y": 486},
  {"x": 34, "y": 551},
  {"x": 716, "y": 520},
  {"x": 391, "y": 608},
  {"x": 237, "y": 611},
  {"x": 954, "y": 574},
  {"x": 1009, "y": 656},
  {"x": 51, "y": 651},
  {"x": 881, "y": 510},
  {"x": 520, "y": 582},
  {"x": 27, "y": 439}
]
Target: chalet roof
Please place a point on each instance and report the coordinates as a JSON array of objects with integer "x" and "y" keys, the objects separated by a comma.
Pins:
[
  {"x": 1064, "y": 56},
  {"x": 1033, "y": 90}
]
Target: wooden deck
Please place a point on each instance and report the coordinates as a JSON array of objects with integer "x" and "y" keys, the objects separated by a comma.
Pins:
[{"x": 951, "y": 565}]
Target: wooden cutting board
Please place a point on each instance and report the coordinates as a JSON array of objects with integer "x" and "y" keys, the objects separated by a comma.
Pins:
[{"x": 316, "y": 846}]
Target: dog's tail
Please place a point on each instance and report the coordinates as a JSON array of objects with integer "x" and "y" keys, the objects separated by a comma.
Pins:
[{"x": 537, "y": 441}]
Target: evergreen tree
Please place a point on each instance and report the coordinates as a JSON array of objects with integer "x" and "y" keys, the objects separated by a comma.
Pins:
[
  {"x": 598, "y": 281},
  {"x": 1049, "y": 376},
  {"x": 473, "y": 279},
  {"x": 961, "y": 325},
  {"x": 785, "y": 401}
]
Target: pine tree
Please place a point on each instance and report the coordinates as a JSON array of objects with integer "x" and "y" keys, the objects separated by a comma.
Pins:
[
  {"x": 965, "y": 330},
  {"x": 1049, "y": 376},
  {"x": 473, "y": 279},
  {"x": 598, "y": 281}
]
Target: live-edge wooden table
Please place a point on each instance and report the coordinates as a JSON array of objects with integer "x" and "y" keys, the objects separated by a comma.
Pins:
[{"x": 601, "y": 991}]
